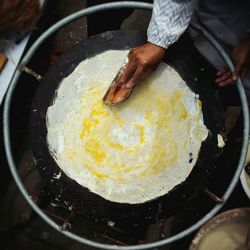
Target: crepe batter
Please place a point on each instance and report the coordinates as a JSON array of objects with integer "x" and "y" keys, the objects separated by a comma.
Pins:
[{"x": 132, "y": 152}]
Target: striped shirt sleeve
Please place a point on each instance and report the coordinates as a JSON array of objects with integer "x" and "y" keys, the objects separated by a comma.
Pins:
[{"x": 169, "y": 20}]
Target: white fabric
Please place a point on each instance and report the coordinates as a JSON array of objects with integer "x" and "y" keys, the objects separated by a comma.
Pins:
[
  {"x": 229, "y": 20},
  {"x": 169, "y": 20}
]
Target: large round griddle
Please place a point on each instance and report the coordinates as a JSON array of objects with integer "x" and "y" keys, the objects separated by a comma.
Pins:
[{"x": 196, "y": 72}]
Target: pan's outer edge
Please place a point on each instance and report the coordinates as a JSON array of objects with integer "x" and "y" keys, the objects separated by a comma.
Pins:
[{"x": 11, "y": 162}]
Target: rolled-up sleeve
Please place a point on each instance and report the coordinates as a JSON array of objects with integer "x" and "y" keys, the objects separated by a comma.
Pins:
[{"x": 169, "y": 20}]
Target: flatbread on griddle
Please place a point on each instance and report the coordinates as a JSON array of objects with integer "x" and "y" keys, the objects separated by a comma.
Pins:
[{"x": 132, "y": 152}]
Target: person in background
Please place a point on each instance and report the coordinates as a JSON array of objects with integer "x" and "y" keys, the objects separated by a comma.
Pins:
[
  {"x": 19, "y": 15},
  {"x": 228, "y": 20}
]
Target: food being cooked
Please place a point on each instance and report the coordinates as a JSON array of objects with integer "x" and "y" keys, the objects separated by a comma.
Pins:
[{"x": 132, "y": 152}]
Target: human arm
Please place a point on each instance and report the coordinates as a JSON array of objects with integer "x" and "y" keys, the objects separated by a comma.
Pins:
[{"x": 169, "y": 20}]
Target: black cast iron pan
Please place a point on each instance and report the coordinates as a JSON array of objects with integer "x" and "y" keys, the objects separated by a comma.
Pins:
[{"x": 192, "y": 68}]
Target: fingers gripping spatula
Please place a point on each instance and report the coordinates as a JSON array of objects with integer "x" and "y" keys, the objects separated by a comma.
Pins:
[{"x": 118, "y": 92}]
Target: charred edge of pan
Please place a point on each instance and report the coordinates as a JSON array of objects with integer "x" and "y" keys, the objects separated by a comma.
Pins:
[
  {"x": 23, "y": 68},
  {"x": 66, "y": 224},
  {"x": 213, "y": 196}
]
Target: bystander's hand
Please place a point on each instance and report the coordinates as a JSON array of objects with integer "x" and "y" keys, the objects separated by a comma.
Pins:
[{"x": 241, "y": 59}]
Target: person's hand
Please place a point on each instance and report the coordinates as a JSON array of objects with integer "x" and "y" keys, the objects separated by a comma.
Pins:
[
  {"x": 142, "y": 61},
  {"x": 241, "y": 58}
]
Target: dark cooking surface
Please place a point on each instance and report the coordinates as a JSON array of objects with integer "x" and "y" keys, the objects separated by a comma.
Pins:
[
  {"x": 131, "y": 224},
  {"x": 34, "y": 231},
  {"x": 188, "y": 69}
]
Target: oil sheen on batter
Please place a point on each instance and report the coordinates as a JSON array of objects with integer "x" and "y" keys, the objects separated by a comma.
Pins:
[{"x": 129, "y": 153}]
